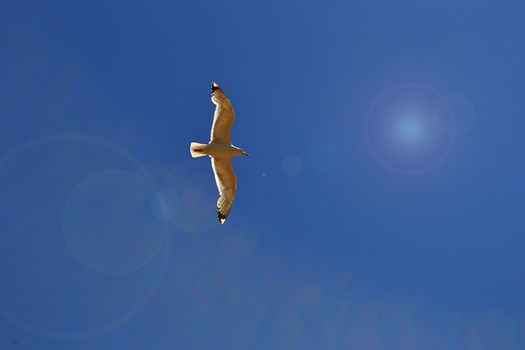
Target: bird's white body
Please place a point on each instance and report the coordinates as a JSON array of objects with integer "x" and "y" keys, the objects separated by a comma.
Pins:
[
  {"x": 216, "y": 150},
  {"x": 221, "y": 151}
]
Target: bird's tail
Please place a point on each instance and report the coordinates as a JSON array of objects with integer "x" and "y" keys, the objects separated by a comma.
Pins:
[{"x": 196, "y": 149}]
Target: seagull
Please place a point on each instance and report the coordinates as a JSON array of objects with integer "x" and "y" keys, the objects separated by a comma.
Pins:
[{"x": 220, "y": 150}]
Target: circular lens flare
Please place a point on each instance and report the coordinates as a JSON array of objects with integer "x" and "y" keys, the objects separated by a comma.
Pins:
[
  {"x": 401, "y": 129},
  {"x": 411, "y": 129},
  {"x": 108, "y": 223},
  {"x": 36, "y": 181},
  {"x": 188, "y": 197}
]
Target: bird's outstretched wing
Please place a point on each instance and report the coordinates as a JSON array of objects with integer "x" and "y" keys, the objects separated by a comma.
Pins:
[
  {"x": 223, "y": 117},
  {"x": 226, "y": 184}
]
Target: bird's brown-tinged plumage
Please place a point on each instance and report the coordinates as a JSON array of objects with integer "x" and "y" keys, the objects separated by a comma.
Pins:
[
  {"x": 221, "y": 150},
  {"x": 226, "y": 184},
  {"x": 223, "y": 117}
]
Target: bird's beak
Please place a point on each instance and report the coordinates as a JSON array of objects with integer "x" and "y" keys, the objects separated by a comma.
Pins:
[{"x": 245, "y": 154}]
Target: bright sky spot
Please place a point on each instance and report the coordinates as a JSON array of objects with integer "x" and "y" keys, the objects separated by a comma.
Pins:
[{"x": 411, "y": 130}]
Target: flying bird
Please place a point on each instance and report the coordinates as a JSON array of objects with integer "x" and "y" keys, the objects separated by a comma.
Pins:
[{"x": 220, "y": 150}]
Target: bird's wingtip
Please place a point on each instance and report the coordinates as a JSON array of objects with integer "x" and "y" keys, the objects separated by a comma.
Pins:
[
  {"x": 221, "y": 217},
  {"x": 214, "y": 86}
]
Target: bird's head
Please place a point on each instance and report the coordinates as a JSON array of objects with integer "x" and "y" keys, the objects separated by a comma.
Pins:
[{"x": 239, "y": 151}]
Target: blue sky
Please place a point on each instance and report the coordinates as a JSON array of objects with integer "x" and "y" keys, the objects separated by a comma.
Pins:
[{"x": 382, "y": 207}]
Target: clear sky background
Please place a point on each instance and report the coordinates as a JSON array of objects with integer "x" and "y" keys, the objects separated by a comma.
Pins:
[{"x": 382, "y": 207}]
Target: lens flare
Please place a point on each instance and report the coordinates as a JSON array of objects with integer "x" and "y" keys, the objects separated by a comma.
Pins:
[
  {"x": 411, "y": 130},
  {"x": 188, "y": 197},
  {"x": 108, "y": 222},
  {"x": 402, "y": 132},
  {"x": 36, "y": 181}
]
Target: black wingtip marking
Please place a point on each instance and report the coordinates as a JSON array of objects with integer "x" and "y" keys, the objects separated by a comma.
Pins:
[{"x": 221, "y": 218}]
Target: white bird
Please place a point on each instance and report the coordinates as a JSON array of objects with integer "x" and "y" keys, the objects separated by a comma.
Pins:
[{"x": 220, "y": 150}]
